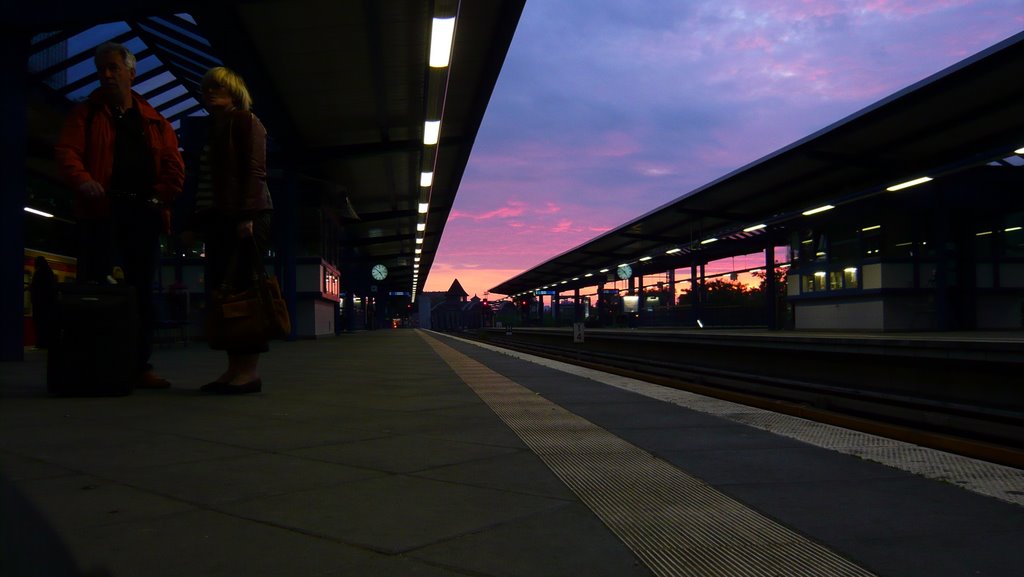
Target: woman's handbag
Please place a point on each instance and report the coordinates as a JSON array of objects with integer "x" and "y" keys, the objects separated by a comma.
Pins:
[{"x": 248, "y": 317}]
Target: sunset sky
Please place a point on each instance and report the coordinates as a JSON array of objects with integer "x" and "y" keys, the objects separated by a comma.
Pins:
[{"x": 607, "y": 109}]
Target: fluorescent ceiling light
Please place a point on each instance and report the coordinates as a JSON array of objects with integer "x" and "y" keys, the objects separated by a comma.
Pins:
[
  {"x": 419, "y": 250},
  {"x": 419, "y": 240},
  {"x": 755, "y": 227},
  {"x": 426, "y": 179},
  {"x": 431, "y": 131},
  {"x": 909, "y": 183},
  {"x": 416, "y": 259},
  {"x": 424, "y": 207},
  {"x": 603, "y": 270},
  {"x": 851, "y": 269},
  {"x": 673, "y": 251},
  {"x": 421, "y": 226},
  {"x": 441, "y": 34},
  {"x": 875, "y": 227},
  {"x": 39, "y": 212},
  {"x": 589, "y": 274},
  {"x": 987, "y": 232},
  {"x": 1012, "y": 229},
  {"x": 817, "y": 210},
  {"x": 709, "y": 240},
  {"x": 1019, "y": 151},
  {"x": 819, "y": 273},
  {"x": 645, "y": 258},
  {"x": 575, "y": 278},
  {"x": 565, "y": 282}
]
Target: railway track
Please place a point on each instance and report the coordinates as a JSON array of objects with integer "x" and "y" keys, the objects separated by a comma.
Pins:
[{"x": 977, "y": 430}]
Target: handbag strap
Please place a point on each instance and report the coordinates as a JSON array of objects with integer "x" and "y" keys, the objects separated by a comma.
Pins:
[{"x": 259, "y": 272}]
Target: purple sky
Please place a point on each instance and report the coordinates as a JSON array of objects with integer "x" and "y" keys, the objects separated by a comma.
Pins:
[{"x": 607, "y": 109}]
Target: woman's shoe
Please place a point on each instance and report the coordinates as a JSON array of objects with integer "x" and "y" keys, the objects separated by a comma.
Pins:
[
  {"x": 253, "y": 386},
  {"x": 212, "y": 387}
]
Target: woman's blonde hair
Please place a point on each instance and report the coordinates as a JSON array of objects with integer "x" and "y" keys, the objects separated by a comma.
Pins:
[{"x": 228, "y": 80}]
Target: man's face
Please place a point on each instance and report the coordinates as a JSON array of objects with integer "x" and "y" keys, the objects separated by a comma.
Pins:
[{"x": 115, "y": 77}]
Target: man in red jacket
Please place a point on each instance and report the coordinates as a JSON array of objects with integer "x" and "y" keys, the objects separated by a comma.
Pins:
[{"x": 121, "y": 159}]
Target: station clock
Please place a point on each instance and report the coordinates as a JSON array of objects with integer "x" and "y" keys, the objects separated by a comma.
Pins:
[{"x": 379, "y": 272}]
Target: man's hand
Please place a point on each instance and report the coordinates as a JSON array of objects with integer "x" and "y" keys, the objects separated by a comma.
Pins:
[{"x": 92, "y": 189}]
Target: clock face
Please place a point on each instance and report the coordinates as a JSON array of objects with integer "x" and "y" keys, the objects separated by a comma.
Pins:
[
  {"x": 379, "y": 271},
  {"x": 624, "y": 271}
]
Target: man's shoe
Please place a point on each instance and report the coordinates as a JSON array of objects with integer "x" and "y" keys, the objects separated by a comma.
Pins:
[
  {"x": 150, "y": 380},
  {"x": 253, "y": 386}
]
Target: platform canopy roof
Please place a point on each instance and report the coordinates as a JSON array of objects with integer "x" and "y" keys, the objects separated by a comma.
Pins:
[
  {"x": 968, "y": 115},
  {"x": 344, "y": 87}
]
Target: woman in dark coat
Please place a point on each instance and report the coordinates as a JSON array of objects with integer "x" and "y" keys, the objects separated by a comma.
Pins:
[{"x": 233, "y": 204}]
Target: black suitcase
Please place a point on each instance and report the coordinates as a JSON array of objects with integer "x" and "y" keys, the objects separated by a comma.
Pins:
[{"x": 95, "y": 348}]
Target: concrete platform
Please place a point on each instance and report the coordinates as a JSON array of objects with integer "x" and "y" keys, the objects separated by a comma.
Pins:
[{"x": 374, "y": 454}]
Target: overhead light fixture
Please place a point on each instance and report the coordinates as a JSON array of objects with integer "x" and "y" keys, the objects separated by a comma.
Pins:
[
  {"x": 419, "y": 240},
  {"x": 426, "y": 179},
  {"x": 416, "y": 259},
  {"x": 38, "y": 212},
  {"x": 588, "y": 275},
  {"x": 986, "y": 233},
  {"x": 755, "y": 227},
  {"x": 1019, "y": 151},
  {"x": 575, "y": 278},
  {"x": 909, "y": 183},
  {"x": 817, "y": 210},
  {"x": 1012, "y": 229},
  {"x": 421, "y": 226},
  {"x": 431, "y": 131},
  {"x": 708, "y": 240},
  {"x": 673, "y": 251},
  {"x": 645, "y": 258},
  {"x": 419, "y": 250},
  {"x": 603, "y": 270},
  {"x": 441, "y": 34},
  {"x": 868, "y": 228},
  {"x": 424, "y": 207}
]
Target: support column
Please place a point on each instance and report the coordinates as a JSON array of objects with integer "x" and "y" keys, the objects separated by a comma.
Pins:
[
  {"x": 556, "y": 308},
  {"x": 771, "y": 304},
  {"x": 577, "y": 309},
  {"x": 641, "y": 301},
  {"x": 13, "y": 184},
  {"x": 286, "y": 217}
]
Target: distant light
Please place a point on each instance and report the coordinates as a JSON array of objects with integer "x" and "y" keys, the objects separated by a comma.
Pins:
[
  {"x": 603, "y": 270},
  {"x": 645, "y": 258},
  {"x": 424, "y": 207},
  {"x": 909, "y": 183},
  {"x": 419, "y": 240},
  {"x": 565, "y": 282},
  {"x": 416, "y": 259},
  {"x": 38, "y": 212},
  {"x": 755, "y": 227},
  {"x": 673, "y": 251},
  {"x": 441, "y": 34},
  {"x": 709, "y": 240},
  {"x": 700, "y": 324},
  {"x": 589, "y": 274},
  {"x": 1012, "y": 229},
  {"x": 575, "y": 278},
  {"x": 426, "y": 179},
  {"x": 875, "y": 227},
  {"x": 1019, "y": 151},
  {"x": 419, "y": 250},
  {"x": 851, "y": 269},
  {"x": 431, "y": 131},
  {"x": 817, "y": 210},
  {"x": 819, "y": 273},
  {"x": 421, "y": 226},
  {"x": 987, "y": 232},
  {"x": 623, "y": 264}
]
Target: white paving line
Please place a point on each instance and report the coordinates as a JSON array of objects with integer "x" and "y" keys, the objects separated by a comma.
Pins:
[
  {"x": 999, "y": 481},
  {"x": 677, "y": 524}
]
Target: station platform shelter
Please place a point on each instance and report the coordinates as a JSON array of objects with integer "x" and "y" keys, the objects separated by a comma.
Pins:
[{"x": 410, "y": 453}]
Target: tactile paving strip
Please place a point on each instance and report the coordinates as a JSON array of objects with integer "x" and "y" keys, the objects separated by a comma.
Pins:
[
  {"x": 676, "y": 524},
  {"x": 1001, "y": 482}
]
